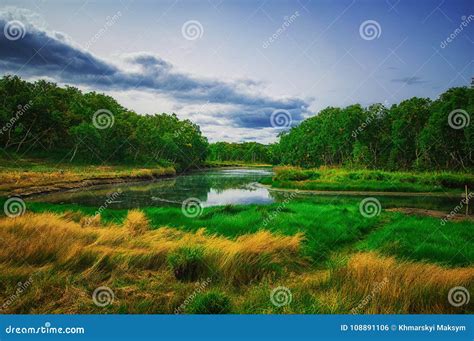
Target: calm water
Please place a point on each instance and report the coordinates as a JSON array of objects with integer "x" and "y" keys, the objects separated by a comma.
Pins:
[{"x": 219, "y": 187}]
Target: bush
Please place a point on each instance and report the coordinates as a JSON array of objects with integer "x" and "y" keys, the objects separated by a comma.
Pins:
[
  {"x": 187, "y": 263},
  {"x": 136, "y": 222},
  {"x": 212, "y": 302}
]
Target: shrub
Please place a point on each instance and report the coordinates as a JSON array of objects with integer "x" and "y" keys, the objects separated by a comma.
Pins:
[
  {"x": 136, "y": 222},
  {"x": 187, "y": 263},
  {"x": 212, "y": 302}
]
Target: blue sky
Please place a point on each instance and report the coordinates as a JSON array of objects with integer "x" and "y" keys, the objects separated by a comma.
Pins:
[{"x": 229, "y": 77}]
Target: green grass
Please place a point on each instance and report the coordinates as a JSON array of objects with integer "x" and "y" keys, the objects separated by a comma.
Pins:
[
  {"x": 327, "y": 228},
  {"x": 424, "y": 239},
  {"x": 369, "y": 180}
]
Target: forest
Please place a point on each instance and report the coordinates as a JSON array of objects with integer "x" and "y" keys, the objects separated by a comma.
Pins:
[
  {"x": 417, "y": 134},
  {"x": 45, "y": 120}
]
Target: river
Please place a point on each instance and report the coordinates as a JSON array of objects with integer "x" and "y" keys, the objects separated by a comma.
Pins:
[{"x": 228, "y": 186}]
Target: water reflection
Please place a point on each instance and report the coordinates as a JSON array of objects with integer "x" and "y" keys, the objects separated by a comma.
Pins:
[
  {"x": 212, "y": 187},
  {"x": 222, "y": 187}
]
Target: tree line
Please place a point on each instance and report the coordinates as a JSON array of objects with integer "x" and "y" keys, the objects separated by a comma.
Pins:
[
  {"x": 250, "y": 152},
  {"x": 417, "y": 133},
  {"x": 42, "y": 119}
]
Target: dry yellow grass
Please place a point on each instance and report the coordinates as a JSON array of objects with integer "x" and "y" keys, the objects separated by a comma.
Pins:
[
  {"x": 384, "y": 285},
  {"x": 26, "y": 182},
  {"x": 67, "y": 261},
  {"x": 136, "y": 222},
  {"x": 48, "y": 238}
]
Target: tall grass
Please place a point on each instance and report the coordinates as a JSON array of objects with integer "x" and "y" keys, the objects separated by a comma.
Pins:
[
  {"x": 369, "y": 180},
  {"x": 67, "y": 260}
]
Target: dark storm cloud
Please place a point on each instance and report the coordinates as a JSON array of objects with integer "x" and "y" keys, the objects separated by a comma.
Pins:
[{"x": 44, "y": 54}]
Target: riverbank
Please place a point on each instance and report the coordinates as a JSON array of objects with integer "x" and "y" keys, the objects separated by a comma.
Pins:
[
  {"x": 223, "y": 164},
  {"x": 31, "y": 177},
  {"x": 344, "y": 180}
]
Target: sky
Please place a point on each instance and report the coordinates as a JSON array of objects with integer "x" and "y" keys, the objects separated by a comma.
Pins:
[{"x": 242, "y": 70}]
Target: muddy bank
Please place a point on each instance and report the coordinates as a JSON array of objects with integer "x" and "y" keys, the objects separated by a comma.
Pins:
[{"x": 77, "y": 185}]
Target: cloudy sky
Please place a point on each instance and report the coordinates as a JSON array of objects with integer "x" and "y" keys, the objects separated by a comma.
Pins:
[{"x": 243, "y": 70}]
